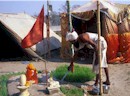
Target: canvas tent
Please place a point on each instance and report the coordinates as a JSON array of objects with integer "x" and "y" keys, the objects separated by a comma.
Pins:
[
  {"x": 13, "y": 28},
  {"x": 84, "y": 19}
]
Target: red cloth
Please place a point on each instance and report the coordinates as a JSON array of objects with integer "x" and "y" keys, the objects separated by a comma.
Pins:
[
  {"x": 36, "y": 33},
  {"x": 124, "y": 40},
  {"x": 113, "y": 47}
]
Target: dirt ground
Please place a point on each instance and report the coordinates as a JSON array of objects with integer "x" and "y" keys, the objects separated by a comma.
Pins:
[{"x": 119, "y": 73}]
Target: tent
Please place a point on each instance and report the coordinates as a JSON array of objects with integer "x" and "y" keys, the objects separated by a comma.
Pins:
[
  {"x": 124, "y": 33},
  {"x": 84, "y": 20},
  {"x": 13, "y": 28}
]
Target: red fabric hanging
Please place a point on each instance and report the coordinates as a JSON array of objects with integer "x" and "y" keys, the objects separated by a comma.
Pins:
[
  {"x": 36, "y": 33},
  {"x": 124, "y": 40},
  {"x": 113, "y": 48}
]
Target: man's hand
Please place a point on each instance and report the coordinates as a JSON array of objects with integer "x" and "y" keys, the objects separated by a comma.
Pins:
[{"x": 71, "y": 67}]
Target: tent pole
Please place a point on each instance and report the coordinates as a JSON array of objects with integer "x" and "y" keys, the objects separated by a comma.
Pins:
[
  {"x": 48, "y": 38},
  {"x": 48, "y": 29},
  {"x": 99, "y": 45}
]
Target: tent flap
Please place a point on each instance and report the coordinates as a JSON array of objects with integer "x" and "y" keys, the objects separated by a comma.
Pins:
[{"x": 19, "y": 25}]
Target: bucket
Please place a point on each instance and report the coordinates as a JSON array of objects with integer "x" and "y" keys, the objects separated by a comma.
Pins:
[{"x": 105, "y": 89}]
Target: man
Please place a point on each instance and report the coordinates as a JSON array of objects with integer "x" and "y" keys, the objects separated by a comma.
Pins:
[{"x": 90, "y": 40}]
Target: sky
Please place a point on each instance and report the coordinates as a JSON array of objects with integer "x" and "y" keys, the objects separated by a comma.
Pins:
[{"x": 33, "y": 7}]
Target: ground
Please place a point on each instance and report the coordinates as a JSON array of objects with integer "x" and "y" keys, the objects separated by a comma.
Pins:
[{"x": 119, "y": 73}]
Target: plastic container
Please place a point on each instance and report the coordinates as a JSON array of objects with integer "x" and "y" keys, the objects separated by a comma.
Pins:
[{"x": 105, "y": 89}]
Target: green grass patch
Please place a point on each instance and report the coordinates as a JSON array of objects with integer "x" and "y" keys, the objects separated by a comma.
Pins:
[
  {"x": 3, "y": 83},
  {"x": 72, "y": 91},
  {"x": 80, "y": 74}
]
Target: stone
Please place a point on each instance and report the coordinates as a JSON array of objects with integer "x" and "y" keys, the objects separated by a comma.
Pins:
[{"x": 53, "y": 91}]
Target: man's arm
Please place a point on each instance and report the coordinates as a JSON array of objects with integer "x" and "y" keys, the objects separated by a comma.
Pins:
[
  {"x": 71, "y": 66},
  {"x": 85, "y": 39},
  {"x": 96, "y": 51}
]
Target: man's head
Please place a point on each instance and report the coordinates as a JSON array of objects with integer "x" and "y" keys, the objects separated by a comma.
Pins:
[{"x": 71, "y": 36}]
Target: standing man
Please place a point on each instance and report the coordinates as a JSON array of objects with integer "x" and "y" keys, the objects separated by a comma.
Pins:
[{"x": 90, "y": 40}]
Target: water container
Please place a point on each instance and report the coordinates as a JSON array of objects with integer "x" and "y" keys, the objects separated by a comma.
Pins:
[{"x": 105, "y": 89}]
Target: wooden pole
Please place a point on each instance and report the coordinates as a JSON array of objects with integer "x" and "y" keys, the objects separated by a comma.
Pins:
[
  {"x": 69, "y": 16},
  {"x": 48, "y": 28},
  {"x": 99, "y": 45}
]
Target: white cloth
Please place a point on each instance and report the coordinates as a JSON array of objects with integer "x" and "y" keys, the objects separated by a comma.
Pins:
[
  {"x": 94, "y": 38},
  {"x": 70, "y": 36},
  {"x": 103, "y": 61}
]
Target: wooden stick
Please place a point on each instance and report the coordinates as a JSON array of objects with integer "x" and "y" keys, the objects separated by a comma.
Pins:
[
  {"x": 48, "y": 29},
  {"x": 45, "y": 67},
  {"x": 99, "y": 45}
]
